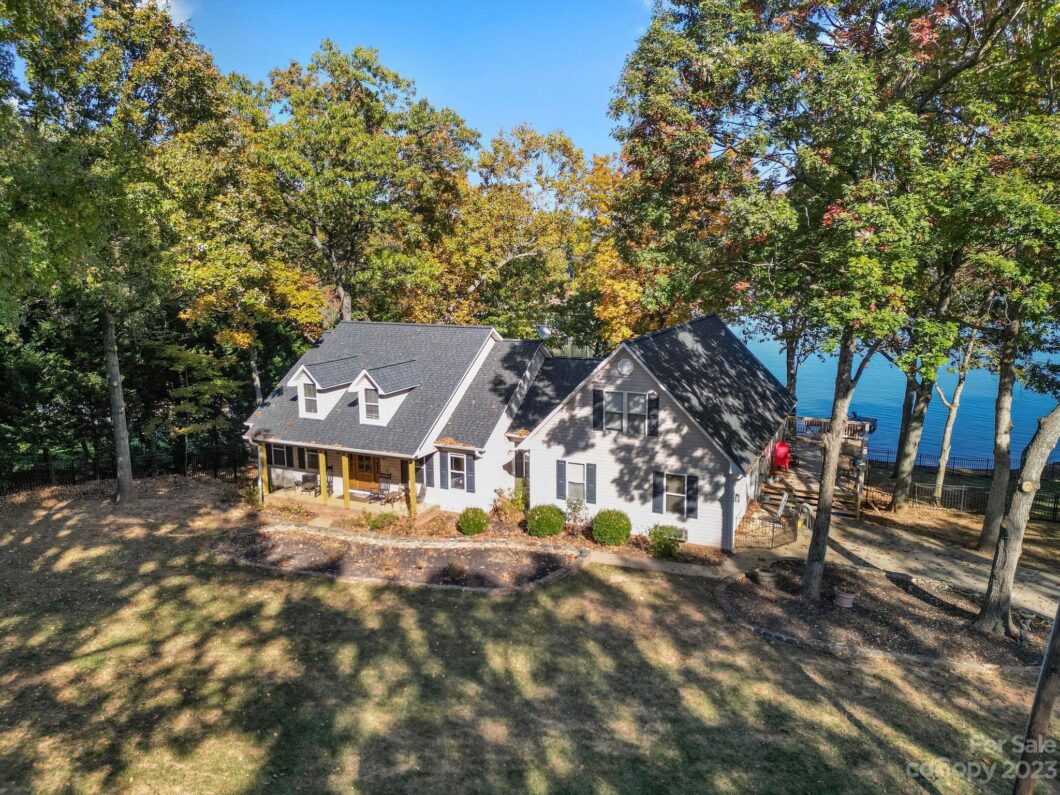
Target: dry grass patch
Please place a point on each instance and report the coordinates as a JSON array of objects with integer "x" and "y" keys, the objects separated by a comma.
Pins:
[{"x": 156, "y": 668}]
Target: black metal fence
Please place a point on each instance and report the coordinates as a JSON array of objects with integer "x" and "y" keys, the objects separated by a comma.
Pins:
[
  {"x": 223, "y": 461},
  {"x": 958, "y": 464}
]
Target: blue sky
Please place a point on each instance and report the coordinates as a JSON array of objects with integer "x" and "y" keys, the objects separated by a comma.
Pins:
[{"x": 550, "y": 64}]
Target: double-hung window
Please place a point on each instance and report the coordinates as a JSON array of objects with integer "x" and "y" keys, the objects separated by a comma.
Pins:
[
  {"x": 615, "y": 411},
  {"x": 676, "y": 496},
  {"x": 457, "y": 472},
  {"x": 309, "y": 397},
  {"x": 575, "y": 481},
  {"x": 626, "y": 411},
  {"x": 371, "y": 404},
  {"x": 279, "y": 455}
]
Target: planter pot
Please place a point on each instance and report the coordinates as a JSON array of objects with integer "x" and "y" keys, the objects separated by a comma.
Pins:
[
  {"x": 766, "y": 578},
  {"x": 844, "y": 598}
]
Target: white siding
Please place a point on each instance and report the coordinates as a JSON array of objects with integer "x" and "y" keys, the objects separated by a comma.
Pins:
[
  {"x": 327, "y": 399},
  {"x": 625, "y": 463}
]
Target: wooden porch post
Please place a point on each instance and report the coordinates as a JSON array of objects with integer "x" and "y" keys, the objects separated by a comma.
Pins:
[
  {"x": 322, "y": 462},
  {"x": 412, "y": 487},
  {"x": 346, "y": 480},
  {"x": 263, "y": 468}
]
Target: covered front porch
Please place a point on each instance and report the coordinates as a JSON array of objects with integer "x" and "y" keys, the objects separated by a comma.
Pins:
[{"x": 337, "y": 478}]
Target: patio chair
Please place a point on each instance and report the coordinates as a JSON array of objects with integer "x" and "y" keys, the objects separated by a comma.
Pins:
[
  {"x": 310, "y": 482},
  {"x": 385, "y": 493}
]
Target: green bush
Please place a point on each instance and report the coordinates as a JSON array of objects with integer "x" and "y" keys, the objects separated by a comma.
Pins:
[
  {"x": 544, "y": 520},
  {"x": 474, "y": 521},
  {"x": 611, "y": 528},
  {"x": 382, "y": 520},
  {"x": 664, "y": 541}
]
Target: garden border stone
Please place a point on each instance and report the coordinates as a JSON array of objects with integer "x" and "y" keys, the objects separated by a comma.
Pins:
[
  {"x": 581, "y": 558},
  {"x": 846, "y": 650}
]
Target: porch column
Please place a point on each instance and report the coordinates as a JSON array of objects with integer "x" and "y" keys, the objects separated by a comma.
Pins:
[
  {"x": 322, "y": 461},
  {"x": 411, "y": 465},
  {"x": 263, "y": 470},
  {"x": 346, "y": 480}
]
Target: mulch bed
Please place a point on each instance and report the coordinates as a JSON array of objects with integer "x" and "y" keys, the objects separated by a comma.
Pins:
[
  {"x": 444, "y": 525},
  {"x": 470, "y": 566},
  {"x": 891, "y": 613}
]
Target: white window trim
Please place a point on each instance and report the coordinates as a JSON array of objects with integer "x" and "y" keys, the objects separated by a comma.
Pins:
[
  {"x": 286, "y": 458},
  {"x": 305, "y": 399},
  {"x": 570, "y": 481},
  {"x": 626, "y": 412},
  {"x": 463, "y": 471},
  {"x": 368, "y": 404},
  {"x": 683, "y": 495}
]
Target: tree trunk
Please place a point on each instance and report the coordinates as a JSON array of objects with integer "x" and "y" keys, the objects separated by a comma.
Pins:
[
  {"x": 122, "y": 456},
  {"x": 906, "y": 458},
  {"x": 951, "y": 418},
  {"x": 1041, "y": 712},
  {"x": 49, "y": 464},
  {"x": 345, "y": 302},
  {"x": 255, "y": 377},
  {"x": 995, "y": 504},
  {"x": 833, "y": 447},
  {"x": 791, "y": 356},
  {"x": 907, "y": 412},
  {"x": 995, "y": 618}
]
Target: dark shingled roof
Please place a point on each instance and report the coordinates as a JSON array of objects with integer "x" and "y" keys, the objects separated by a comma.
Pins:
[
  {"x": 490, "y": 392},
  {"x": 720, "y": 383},
  {"x": 434, "y": 357},
  {"x": 558, "y": 377},
  {"x": 337, "y": 372},
  {"x": 396, "y": 377}
]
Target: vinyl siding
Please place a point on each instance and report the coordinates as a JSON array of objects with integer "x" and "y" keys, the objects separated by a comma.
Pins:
[{"x": 624, "y": 463}]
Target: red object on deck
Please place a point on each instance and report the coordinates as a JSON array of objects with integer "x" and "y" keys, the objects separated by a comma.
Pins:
[{"x": 781, "y": 456}]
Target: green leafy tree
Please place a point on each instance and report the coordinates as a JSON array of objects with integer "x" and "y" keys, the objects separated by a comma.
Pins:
[{"x": 365, "y": 174}]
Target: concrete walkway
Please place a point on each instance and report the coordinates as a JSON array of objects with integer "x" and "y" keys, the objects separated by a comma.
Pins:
[{"x": 862, "y": 544}]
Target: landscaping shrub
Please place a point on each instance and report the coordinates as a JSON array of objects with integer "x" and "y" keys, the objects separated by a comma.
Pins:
[
  {"x": 575, "y": 512},
  {"x": 507, "y": 507},
  {"x": 544, "y": 520},
  {"x": 382, "y": 520},
  {"x": 474, "y": 521},
  {"x": 611, "y": 528},
  {"x": 664, "y": 541},
  {"x": 519, "y": 494}
]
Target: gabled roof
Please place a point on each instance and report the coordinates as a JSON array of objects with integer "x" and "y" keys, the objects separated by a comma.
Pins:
[
  {"x": 558, "y": 377},
  {"x": 396, "y": 377},
  {"x": 724, "y": 387},
  {"x": 337, "y": 372},
  {"x": 490, "y": 393},
  {"x": 433, "y": 359}
]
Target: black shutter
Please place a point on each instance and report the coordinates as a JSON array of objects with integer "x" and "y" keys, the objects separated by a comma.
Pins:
[
  {"x": 561, "y": 480},
  {"x": 443, "y": 472},
  {"x": 520, "y": 464},
  {"x": 404, "y": 467},
  {"x": 598, "y": 409},
  {"x": 653, "y": 415},
  {"x": 469, "y": 473},
  {"x": 658, "y": 491},
  {"x": 430, "y": 471},
  {"x": 590, "y": 484},
  {"x": 692, "y": 496},
  {"x": 270, "y": 459}
]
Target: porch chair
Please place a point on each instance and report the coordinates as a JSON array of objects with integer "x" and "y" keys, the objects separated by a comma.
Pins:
[{"x": 385, "y": 493}]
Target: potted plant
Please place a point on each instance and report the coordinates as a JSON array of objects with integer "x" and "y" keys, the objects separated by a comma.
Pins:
[{"x": 844, "y": 597}]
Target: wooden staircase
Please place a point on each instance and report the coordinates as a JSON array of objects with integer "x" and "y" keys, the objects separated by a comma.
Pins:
[{"x": 773, "y": 493}]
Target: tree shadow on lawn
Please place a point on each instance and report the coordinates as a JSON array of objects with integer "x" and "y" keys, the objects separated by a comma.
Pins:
[{"x": 130, "y": 658}]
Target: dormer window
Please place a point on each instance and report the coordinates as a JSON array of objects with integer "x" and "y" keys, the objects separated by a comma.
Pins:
[
  {"x": 371, "y": 404},
  {"x": 309, "y": 398}
]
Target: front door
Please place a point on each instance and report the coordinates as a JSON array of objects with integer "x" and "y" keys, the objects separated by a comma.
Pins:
[{"x": 365, "y": 472}]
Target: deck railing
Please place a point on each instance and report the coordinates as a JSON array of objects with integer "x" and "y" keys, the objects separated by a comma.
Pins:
[{"x": 818, "y": 426}]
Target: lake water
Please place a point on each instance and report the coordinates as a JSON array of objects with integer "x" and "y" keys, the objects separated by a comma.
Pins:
[{"x": 880, "y": 391}]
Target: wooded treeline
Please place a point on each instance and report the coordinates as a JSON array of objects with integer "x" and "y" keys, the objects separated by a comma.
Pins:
[{"x": 864, "y": 179}]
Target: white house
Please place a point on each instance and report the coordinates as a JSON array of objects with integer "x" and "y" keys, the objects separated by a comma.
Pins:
[{"x": 673, "y": 427}]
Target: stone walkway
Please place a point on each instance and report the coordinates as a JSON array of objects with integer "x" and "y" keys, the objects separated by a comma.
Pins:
[{"x": 863, "y": 544}]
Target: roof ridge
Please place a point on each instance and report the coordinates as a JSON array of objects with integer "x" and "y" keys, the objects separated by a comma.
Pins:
[
  {"x": 392, "y": 364},
  {"x": 667, "y": 329},
  {"x": 418, "y": 325},
  {"x": 337, "y": 359}
]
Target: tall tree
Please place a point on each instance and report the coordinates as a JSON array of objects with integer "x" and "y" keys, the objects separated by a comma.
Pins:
[
  {"x": 105, "y": 84},
  {"x": 365, "y": 173},
  {"x": 822, "y": 125},
  {"x": 966, "y": 358}
]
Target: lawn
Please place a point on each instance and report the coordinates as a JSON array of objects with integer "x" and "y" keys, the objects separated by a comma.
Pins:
[{"x": 132, "y": 660}]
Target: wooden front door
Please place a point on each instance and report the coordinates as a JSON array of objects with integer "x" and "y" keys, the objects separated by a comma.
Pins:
[{"x": 365, "y": 474}]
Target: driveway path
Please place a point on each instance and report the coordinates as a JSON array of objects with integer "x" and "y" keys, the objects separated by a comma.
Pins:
[{"x": 864, "y": 544}]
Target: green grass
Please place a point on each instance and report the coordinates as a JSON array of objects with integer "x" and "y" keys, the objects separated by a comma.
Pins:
[{"x": 131, "y": 660}]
